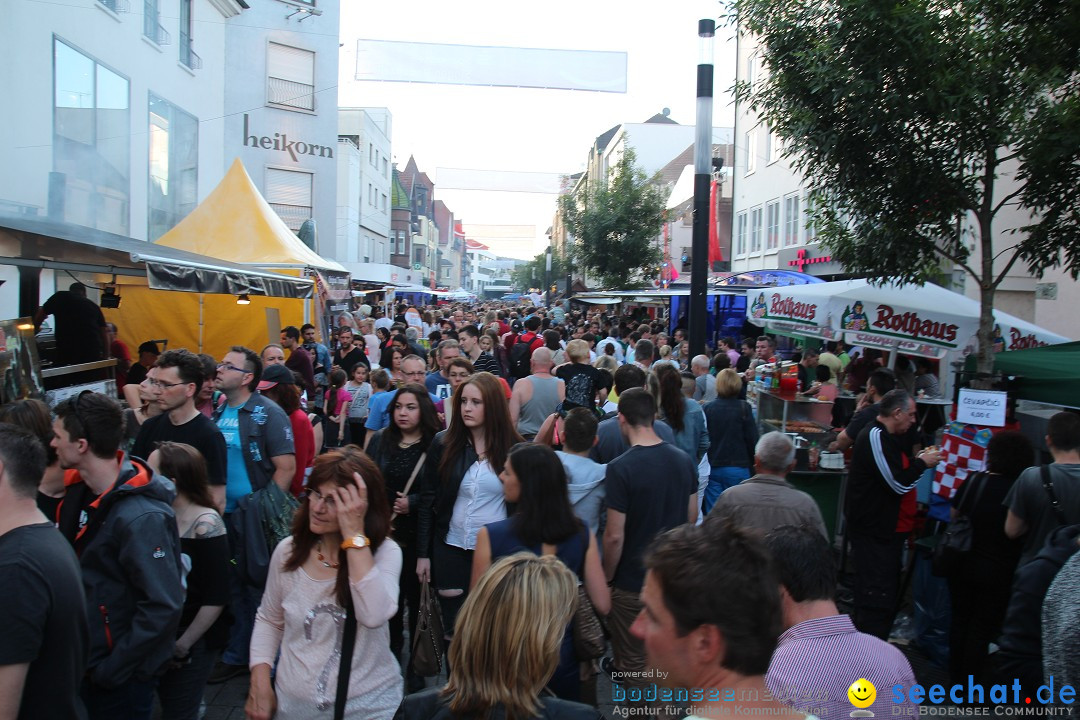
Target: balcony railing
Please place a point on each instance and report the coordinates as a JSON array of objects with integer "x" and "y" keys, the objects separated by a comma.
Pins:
[
  {"x": 289, "y": 93},
  {"x": 293, "y": 215},
  {"x": 152, "y": 29},
  {"x": 187, "y": 55},
  {"x": 117, "y": 6}
]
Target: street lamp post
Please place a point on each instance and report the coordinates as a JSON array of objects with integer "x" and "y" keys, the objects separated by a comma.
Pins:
[
  {"x": 547, "y": 276},
  {"x": 699, "y": 261}
]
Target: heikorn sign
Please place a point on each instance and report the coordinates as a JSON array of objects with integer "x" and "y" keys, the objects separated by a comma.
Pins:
[{"x": 282, "y": 143}]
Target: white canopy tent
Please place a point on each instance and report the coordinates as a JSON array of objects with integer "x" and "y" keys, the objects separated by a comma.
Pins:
[{"x": 926, "y": 320}]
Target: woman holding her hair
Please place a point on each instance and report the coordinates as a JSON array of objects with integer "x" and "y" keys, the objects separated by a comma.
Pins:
[
  {"x": 203, "y": 541},
  {"x": 339, "y": 561},
  {"x": 544, "y": 524},
  {"x": 461, "y": 491},
  {"x": 397, "y": 449},
  {"x": 507, "y": 647}
]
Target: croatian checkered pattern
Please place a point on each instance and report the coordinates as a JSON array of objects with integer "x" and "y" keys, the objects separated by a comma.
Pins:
[{"x": 964, "y": 452}]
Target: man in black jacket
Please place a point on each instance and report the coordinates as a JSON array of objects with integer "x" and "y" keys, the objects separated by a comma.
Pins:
[
  {"x": 881, "y": 473},
  {"x": 117, "y": 513}
]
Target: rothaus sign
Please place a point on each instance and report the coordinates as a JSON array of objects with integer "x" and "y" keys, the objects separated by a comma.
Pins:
[{"x": 282, "y": 143}]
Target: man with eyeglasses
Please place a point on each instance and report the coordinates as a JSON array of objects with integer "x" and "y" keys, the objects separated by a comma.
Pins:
[
  {"x": 882, "y": 472},
  {"x": 259, "y": 450},
  {"x": 117, "y": 514},
  {"x": 175, "y": 386}
]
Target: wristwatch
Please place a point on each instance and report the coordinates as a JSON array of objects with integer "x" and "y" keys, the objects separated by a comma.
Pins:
[{"x": 356, "y": 542}]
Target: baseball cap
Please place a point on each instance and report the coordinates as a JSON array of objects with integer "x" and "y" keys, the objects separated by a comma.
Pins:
[{"x": 274, "y": 374}]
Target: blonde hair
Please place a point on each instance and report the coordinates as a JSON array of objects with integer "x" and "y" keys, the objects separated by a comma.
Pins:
[
  {"x": 665, "y": 351},
  {"x": 606, "y": 362},
  {"x": 728, "y": 383},
  {"x": 577, "y": 350},
  {"x": 507, "y": 638}
]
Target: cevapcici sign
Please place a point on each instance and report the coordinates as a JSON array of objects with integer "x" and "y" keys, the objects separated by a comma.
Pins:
[{"x": 282, "y": 143}]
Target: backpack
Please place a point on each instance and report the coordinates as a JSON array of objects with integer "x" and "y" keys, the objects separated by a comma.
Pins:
[{"x": 521, "y": 356}]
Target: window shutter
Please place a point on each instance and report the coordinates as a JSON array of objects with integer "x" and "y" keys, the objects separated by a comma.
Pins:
[
  {"x": 292, "y": 64},
  {"x": 288, "y": 187}
]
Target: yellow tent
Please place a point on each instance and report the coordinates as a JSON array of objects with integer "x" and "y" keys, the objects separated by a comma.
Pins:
[{"x": 236, "y": 224}]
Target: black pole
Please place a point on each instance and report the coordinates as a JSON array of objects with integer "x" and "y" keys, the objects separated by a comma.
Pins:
[
  {"x": 699, "y": 260},
  {"x": 547, "y": 276}
]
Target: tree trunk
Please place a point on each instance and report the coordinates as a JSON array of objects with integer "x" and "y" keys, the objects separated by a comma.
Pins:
[{"x": 987, "y": 290}]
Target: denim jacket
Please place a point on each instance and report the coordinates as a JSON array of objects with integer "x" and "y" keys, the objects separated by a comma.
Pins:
[{"x": 266, "y": 433}]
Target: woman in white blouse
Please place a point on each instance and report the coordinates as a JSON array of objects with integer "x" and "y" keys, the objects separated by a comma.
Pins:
[
  {"x": 461, "y": 491},
  {"x": 339, "y": 554}
]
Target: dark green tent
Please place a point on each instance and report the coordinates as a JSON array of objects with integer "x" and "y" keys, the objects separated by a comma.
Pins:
[{"x": 1049, "y": 374}]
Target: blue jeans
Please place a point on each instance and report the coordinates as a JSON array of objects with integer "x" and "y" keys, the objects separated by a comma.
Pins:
[
  {"x": 180, "y": 690},
  {"x": 243, "y": 603},
  {"x": 133, "y": 700},
  {"x": 720, "y": 479}
]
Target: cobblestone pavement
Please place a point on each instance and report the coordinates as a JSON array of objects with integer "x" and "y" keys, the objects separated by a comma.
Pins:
[{"x": 226, "y": 701}]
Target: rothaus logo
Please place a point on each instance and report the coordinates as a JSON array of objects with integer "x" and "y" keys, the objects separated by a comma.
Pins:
[
  {"x": 282, "y": 143},
  {"x": 910, "y": 324},
  {"x": 787, "y": 307}
]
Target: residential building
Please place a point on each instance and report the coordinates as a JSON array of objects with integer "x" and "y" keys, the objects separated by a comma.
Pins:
[
  {"x": 364, "y": 189},
  {"x": 281, "y": 114},
  {"x": 451, "y": 246},
  {"x": 482, "y": 268},
  {"x": 113, "y": 117},
  {"x": 772, "y": 230}
]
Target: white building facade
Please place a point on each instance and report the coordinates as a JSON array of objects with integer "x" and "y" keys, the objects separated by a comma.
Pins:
[
  {"x": 115, "y": 113},
  {"x": 363, "y": 192},
  {"x": 281, "y": 115}
]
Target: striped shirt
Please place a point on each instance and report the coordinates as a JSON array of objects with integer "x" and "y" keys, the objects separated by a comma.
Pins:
[{"x": 816, "y": 661}]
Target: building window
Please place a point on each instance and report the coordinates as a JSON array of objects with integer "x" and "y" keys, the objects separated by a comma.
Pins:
[
  {"x": 740, "y": 234},
  {"x": 91, "y": 182},
  {"x": 152, "y": 28},
  {"x": 774, "y": 148},
  {"x": 385, "y": 168},
  {"x": 772, "y": 225},
  {"x": 290, "y": 76},
  {"x": 289, "y": 194},
  {"x": 187, "y": 56},
  {"x": 174, "y": 166},
  {"x": 811, "y": 229},
  {"x": 370, "y": 194},
  {"x": 371, "y": 154},
  {"x": 400, "y": 243},
  {"x": 791, "y": 220},
  {"x": 418, "y": 254},
  {"x": 751, "y": 70},
  {"x": 751, "y": 151},
  {"x": 382, "y": 202},
  {"x": 755, "y": 230}
]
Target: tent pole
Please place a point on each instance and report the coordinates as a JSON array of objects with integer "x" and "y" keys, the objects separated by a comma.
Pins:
[{"x": 201, "y": 296}]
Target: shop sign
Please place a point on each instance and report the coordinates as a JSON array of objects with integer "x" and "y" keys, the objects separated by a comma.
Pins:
[
  {"x": 281, "y": 143},
  {"x": 782, "y": 306},
  {"x": 885, "y": 320},
  {"x": 802, "y": 259},
  {"x": 981, "y": 407}
]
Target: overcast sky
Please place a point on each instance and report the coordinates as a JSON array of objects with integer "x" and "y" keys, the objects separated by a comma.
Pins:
[{"x": 529, "y": 130}]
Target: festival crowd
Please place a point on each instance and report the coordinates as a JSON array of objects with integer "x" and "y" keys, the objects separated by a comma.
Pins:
[{"x": 471, "y": 511}]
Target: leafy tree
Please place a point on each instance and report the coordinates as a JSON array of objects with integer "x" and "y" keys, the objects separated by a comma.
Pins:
[
  {"x": 614, "y": 225},
  {"x": 530, "y": 274},
  {"x": 907, "y": 120}
]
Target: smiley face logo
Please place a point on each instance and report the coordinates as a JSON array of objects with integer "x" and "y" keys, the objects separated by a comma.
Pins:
[{"x": 862, "y": 693}]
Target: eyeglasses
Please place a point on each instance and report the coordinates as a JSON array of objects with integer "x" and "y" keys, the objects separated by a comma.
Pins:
[
  {"x": 227, "y": 366},
  {"x": 313, "y": 495},
  {"x": 78, "y": 415},
  {"x": 162, "y": 386}
]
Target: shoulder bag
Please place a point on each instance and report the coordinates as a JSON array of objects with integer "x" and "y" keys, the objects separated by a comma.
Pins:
[
  {"x": 589, "y": 641},
  {"x": 348, "y": 642},
  {"x": 955, "y": 545},
  {"x": 1048, "y": 485},
  {"x": 409, "y": 482},
  {"x": 427, "y": 640}
]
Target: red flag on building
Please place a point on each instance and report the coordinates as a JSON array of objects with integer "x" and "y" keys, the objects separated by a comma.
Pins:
[{"x": 715, "y": 253}]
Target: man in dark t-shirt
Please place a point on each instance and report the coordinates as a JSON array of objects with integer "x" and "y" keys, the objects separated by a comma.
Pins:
[
  {"x": 44, "y": 653},
  {"x": 175, "y": 387},
  {"x": 651, "y": 488},
  {"x": 81, "y": 333},
  {"x": 581, "y": 378}
]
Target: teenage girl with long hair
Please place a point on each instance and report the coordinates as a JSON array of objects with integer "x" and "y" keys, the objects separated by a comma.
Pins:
[
  {"x": 398, "y": 449},
  {"x": 461, "y": 491},
  {"x": 337, "y": 408}
]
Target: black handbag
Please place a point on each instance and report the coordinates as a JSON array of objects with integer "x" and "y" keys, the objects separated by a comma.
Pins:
[
  {"x": 348, "y": 642},
  {"x": 427, "y": 640},
  {"x": 955, "y": 544}
]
